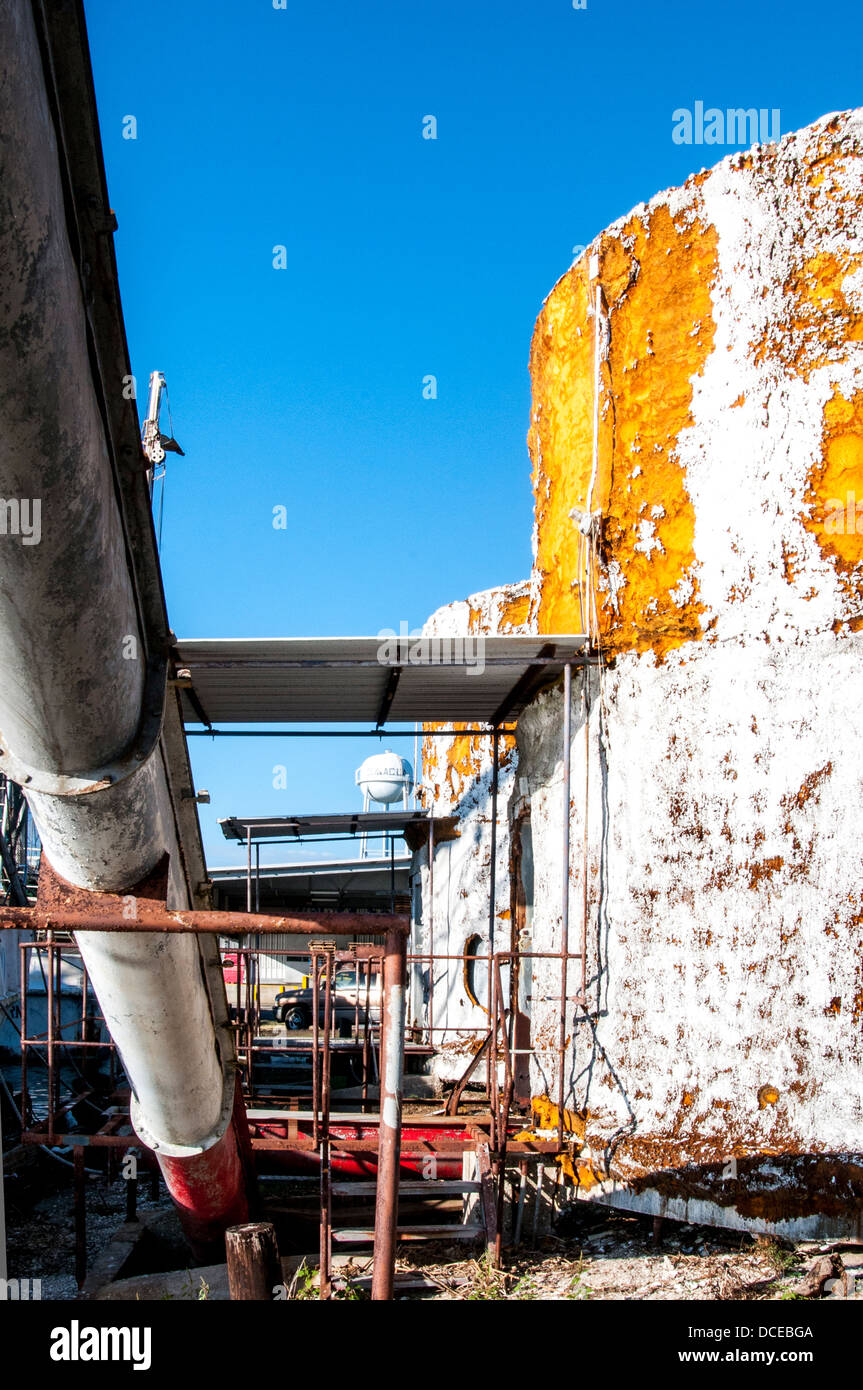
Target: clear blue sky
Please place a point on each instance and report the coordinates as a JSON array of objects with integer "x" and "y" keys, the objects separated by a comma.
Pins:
[{"x": 302, "y": 387}]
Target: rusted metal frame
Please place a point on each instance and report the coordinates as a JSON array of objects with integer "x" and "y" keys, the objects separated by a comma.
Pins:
[
  {"x": 84, "y": 988},
  {"x": 431, "y": 927},
  {"x": 80, "y": 1180},
  {"x": 564, "y": 921},
  {"x": 23, "y": 993},
  {"x": 495, "y": 778},
  {"x": 274, "y": 1143},
  {"x": 367, "y": 1034},
  {"x": 389, "y": 1141},
  {"x": 356, "y": 1024},
  {"x": 316, "y": 1085},
  {"x": 108, "y": 918},
  {"x": 494, "y": 1098},
  {"x": 247, "y": 1017},
  {"x": 454, "y": 1100},
  {"x": 51, "y": 1078},
  {"x": 131, "y": 1190},
  {"x": 55, "y": 960},
  {"x": 488, "y": 1201},
  {"x": 16, "y": 888},
  {"x": 324, "y": 1133},
  {"x": 503, "y": 1115}
]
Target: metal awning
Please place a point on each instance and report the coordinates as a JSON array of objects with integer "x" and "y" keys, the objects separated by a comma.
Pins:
[
  {"x": 412, "y": 826},
  {"x": 303, "y": 827},
  {"x": 338, "y": 870},
  {"x": 370, "y": 680}
]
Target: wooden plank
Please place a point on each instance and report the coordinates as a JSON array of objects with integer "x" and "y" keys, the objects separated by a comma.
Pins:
[
  {"x": 426, "y": 1187},
  {"x": 364, "y": 1235}
]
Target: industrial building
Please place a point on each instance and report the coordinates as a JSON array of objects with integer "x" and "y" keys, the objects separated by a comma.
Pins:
[{"x": 608, "y": 950}]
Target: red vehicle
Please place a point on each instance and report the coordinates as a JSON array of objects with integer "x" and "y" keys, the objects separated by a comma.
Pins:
[{"x": 230, "y": 965}]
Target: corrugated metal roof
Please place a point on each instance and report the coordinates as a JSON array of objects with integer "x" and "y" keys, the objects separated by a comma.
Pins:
[
  {"x": 359, "y": 883},
  {"x": 368, "y": 680}
]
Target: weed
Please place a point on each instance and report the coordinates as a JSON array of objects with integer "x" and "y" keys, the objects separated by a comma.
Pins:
[
  {"x": 578, "y": 1289},
  {"x": 485, "y": 1282},
  {"x": 780, "y": 1259},
  {"x": 303, "y": 1283},
  {"x": 524, "y": 1289}
]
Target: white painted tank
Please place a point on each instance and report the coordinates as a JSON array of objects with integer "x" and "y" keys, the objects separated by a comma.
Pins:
[{"x": 384, "y": 777}]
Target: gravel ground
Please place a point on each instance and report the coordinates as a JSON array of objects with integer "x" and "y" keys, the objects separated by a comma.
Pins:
[
  {"x": 611, "y": 1256},
  {"x": 595, "y": 1254},
  {"x": 40, "y": 1236}
]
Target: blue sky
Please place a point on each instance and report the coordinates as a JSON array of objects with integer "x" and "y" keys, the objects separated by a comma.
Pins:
[{"x": 302, "y": 387}]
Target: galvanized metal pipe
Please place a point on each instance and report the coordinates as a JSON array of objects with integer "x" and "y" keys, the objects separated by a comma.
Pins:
[
  {"x": 76, "y": 692},
  {"x": 495, "y": 777}
]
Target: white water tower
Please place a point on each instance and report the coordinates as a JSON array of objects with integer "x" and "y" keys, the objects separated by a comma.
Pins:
[{"x": 384, "y": 778}]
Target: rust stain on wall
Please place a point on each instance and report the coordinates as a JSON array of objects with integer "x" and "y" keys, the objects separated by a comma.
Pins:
[
  {"x": 835, "y": 498},
  {"x": 656, "y": 275},
  {"x": 819, "y": 317}
]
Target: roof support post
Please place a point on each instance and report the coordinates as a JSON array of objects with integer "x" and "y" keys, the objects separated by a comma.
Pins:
[
  {"x": 389, "y": 1147},
  {"x": 495, "y": 777}
]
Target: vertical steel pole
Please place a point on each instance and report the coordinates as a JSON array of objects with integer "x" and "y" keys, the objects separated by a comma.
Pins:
[
  {"x": 324, "y": 1155},
  {"x": 248, "y": 868},
  {"x": 584, "y": 908},
  {"x": 4, "y": 1272},
  {"x": 24, "y": 987},
  {"x": 564, "y": 906},
  {"x": 80, "y": 1180},
  {"x": 316, "y": 1092},
  {"x": 389, "y": 1144},
  {"x": 49, "y": 935},
  {"x": 492, "y": 895},
  {"x": 431, "y": 928},
  {"x": 495, "y": 769}
]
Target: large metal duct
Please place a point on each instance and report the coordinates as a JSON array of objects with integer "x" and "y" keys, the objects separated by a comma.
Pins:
[{"x": 81, "y": 696}]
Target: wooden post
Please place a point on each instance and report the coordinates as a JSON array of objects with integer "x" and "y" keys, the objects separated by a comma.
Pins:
[
  {"x": 254, "y": 1268},
  {"x": 79, "y": 1181}
]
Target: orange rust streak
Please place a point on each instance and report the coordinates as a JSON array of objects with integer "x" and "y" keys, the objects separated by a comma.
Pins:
[
  {"x": 656, "y": 277},
  {"x": 835, "y": 498}
]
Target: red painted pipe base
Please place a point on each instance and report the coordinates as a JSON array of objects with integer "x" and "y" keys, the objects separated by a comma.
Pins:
[{"x": 209, "y": 1192}]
